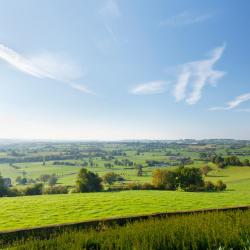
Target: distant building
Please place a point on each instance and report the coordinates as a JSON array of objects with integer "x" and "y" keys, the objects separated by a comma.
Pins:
[{"x": 7, "y": 182}]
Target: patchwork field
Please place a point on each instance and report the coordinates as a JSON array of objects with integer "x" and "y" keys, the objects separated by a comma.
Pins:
[{"x": 30, "y": 211}]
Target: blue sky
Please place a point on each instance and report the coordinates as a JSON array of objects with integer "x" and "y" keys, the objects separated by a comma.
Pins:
[{"x": 119, "y": 69}]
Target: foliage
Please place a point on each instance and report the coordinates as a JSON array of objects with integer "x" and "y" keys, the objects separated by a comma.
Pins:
[
  {"x": 205, "y": 170},
  {"x": 52, "y": 180},
  {"x": 220, "y": 186},
  {"x": 139, "y": 170},
  {"x": 3, "y": 188},
  {"x": 36, "y": 189},
  {"x": 21, "y": 181},
  {"x": 165, "y": 179},
  {"x": 88, "y": 181},
  {"x": 111, "y": 177},
  {"x": 44, "y": 178},
  {"x": 189, "y": 179},
  {"x": 56, "y": 190}
]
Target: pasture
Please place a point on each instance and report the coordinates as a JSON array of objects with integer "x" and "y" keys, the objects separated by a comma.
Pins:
[
  {"x": 196, "y": 231},
  {"x": 30, "y": 211}
]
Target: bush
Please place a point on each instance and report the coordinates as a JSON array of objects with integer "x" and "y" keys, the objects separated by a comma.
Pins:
[
  {"x": 13, "y": 192},
  {"x": 209, "y": 186},
  {"x": 188, "y": 179},
  {"x": 147, "y": 186},
  {"x": 134, "y": 186},
  {"x": 220, "y": 186},
  {"x": 36, "y": 189},
  {"x": 56, "y": 190}
]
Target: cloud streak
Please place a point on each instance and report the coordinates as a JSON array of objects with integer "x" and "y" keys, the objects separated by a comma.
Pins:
[
  {"x": 235, "y": 103},
  {"x": 149, "y": 88},
  {"x": 193, "y": 76},
  {"x": 185, "y": 18},
  {"x": 43, "y": 66}
]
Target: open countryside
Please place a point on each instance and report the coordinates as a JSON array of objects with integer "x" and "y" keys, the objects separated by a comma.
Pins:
[{"x": 123, "y": 159}]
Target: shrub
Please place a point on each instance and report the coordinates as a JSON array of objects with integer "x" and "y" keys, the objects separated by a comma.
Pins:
[
  {"x": 36, "y": 189},
  {"x": 209, "y": 186},
  {"x": 134, "y": 186},
  {"x": 147, "y": 186},
  {"x": 13, "y": 192},
  {"x": 205, "y": 170},
  {"x": 56, "y": 190},
  {"x": 220, "y": 186}
]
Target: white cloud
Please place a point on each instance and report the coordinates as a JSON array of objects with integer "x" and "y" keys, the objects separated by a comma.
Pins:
[
  {"x": 43, "y": 66},
  {"x": 149, "y": 88},
  {"x": 193, "y": 77},
  {"x": 235, "y": 103},
  {"x": 111, "y": 9},
  {"x": 82, "y": 88},
  {"x": 185, "y": 18}
]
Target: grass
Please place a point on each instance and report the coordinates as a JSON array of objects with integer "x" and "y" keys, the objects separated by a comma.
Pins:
[
  {"x": 29, "y": 211},
  {"x": 217, "y": 230}
]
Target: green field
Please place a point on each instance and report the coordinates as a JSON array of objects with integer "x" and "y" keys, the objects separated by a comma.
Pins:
[
  {"x": 30, "y": 211},
  {"x": 214, "y": 230}
]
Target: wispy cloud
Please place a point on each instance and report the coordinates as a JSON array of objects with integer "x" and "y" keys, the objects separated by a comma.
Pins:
[
  {"x": 82, "y": 88},
  {"x": 110, "y": 9},
  {"x": 186, "y": 18},
  {"x": 43, "y": 66},
  {"x": 193, "y": 76},
  {"x": 235, "y": 103},
  {"x": 149, "y": 88}
]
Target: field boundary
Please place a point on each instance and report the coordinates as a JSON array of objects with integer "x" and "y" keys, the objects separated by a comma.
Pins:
[{"x": 45, "y": 232}]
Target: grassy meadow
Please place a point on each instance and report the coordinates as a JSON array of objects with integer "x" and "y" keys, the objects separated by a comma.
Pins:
[
  {"x": 30, "y": 211},
  {"x": 214, "y": 230}
]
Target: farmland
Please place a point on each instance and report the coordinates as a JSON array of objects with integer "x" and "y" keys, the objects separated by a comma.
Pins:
[
  {"x": 196, "y": 231},
  {"x": 31, "y": 160}
]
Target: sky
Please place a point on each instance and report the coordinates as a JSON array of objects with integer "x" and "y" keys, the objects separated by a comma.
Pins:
[{"x": 120, "y": 69}]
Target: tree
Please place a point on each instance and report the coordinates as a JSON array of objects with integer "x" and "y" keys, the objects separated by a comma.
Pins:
[
  {"x": 3, "y": 188},
  {"x": 88, "y": 181},
  {"x": 21, "y": 181},
  {"x": 164, "y": 179},
  {"x": 139, "y": 170},
  {"x": 205, "y": 170},
  {"x": 108, "y": 165},
  {"x": 111, "y": 177},
  {"x": 44, "y": 178},
  {"x": 189, "y": 178},
  {"x": 52, "y": 180}
]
